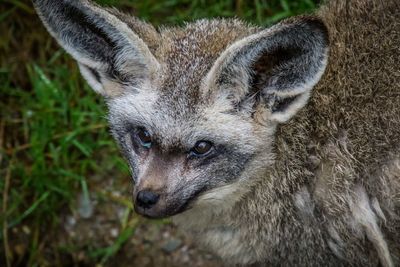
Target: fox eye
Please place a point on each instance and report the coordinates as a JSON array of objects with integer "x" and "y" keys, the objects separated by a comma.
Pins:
[
  {"x": 144, "y": 137},
  {"x": 201, "y": 148}
]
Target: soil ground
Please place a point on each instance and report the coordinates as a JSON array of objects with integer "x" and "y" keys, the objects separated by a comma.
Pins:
[{"x": 106, "y": 232}]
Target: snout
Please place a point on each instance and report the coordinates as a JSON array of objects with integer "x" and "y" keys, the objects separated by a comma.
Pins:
[
  {"x": 159, "y": 204},
  {"x": 147, "y": 199},
  {"x": 150, "y": 204}
]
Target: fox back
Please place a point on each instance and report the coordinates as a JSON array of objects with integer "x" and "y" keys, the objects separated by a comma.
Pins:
[{"x": 272, "y": 146}]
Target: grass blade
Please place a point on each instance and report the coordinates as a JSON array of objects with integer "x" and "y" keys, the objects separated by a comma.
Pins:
[{"x": 30, "y": 210}]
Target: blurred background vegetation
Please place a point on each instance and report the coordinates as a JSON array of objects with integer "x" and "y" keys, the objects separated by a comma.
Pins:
[{"x": 58, "y": 163}]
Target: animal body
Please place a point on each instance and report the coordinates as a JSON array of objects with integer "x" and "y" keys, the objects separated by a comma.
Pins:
[{"x": 273, "y": 147}]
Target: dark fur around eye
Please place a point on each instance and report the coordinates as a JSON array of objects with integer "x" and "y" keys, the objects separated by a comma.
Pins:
[
  {"x": 144, "y": 137},
  {"x": 202, "y": 148},
  {"x": 140, "y": 138}
]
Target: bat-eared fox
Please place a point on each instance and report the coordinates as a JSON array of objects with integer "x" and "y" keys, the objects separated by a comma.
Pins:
[{"x": 273, "y": 146}]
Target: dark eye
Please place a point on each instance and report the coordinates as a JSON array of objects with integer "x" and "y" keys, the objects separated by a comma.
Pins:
[
  {"x": 202, "y": 148},
  {"x": 144, "y": 137}
]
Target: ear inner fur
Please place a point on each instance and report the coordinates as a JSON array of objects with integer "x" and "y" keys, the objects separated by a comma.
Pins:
[
  {"x": 286, "y": 60},
  {"x": 100, "y": 41}
]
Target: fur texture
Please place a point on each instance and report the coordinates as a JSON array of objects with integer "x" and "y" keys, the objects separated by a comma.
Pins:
[{"x": 300, "y": 173}]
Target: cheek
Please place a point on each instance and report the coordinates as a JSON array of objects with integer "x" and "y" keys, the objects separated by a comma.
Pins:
[
  {"x": 227, "y": 167},
  {"x": 143, "y": 159},
  {"x": 192, "y": 176},
  {"x": 179, "y": 174}
]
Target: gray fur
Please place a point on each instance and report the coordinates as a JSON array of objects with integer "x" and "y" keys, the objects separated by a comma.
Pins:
[
  {"x": 108, "y": 52},
  {"x": 301, "y": 174}
]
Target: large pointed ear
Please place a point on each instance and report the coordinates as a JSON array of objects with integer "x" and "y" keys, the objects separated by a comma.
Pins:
[
  {"x": 278, "y": 67},
  {"x": 110, "y": 54}
]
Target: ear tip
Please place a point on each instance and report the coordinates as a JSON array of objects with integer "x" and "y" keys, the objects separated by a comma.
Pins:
[
  {"x": 46, "y": 6},
  {"x": 38, "y": 2},
  {"x": 313, "y": 23},
  {"x": 60, "y": 2},
  {"x": 44, "y": 2},
  {"x": 319, "y": 25}
]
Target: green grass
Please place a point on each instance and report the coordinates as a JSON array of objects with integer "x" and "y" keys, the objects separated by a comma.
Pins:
[
  {"x": 261, "y": 12},
  {"x": 53, "y": 133}
]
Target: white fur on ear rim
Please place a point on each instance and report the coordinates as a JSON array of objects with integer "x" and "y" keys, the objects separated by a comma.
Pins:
[
  {"x": 301, "y": 99},
  {"x": 297, "y": 104},
  {"x": 92, "y": 78}
]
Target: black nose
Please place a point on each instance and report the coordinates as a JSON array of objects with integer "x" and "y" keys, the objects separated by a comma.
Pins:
[{"x": 146, "y": 199}]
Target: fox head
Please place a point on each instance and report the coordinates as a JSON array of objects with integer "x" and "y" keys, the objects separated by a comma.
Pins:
[{"x": 195, "y": 108}]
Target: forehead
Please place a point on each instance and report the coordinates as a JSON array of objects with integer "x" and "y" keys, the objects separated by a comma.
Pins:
[{"x": 187, "y": 53}]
